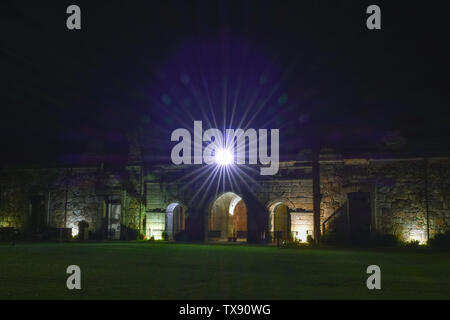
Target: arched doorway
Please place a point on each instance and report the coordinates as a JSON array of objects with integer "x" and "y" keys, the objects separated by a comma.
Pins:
[
  {"x": 228, "y": 219},
  {"x": 279, "y": 222},
  {"x": 175, "y": 220}
]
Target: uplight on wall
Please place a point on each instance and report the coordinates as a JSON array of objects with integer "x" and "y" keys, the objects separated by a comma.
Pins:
[{"x": 418, "y": 235}]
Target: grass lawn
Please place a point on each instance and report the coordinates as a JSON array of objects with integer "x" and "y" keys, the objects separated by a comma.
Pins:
[{"x": 140, "y": 270}]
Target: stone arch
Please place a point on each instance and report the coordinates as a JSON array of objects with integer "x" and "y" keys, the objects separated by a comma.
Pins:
[
  {"x": 180, "y": 203},
  {"x": 357, "y": 187},
  {"x": 175, "y": 219},
  {"x": 284, "y": 200},
  {"x": 279, "y": 219},
  {"x": 227, "y": 218}
]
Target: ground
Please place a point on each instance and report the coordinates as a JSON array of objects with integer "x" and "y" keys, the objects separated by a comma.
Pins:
[{"x": 142, "y": 270}]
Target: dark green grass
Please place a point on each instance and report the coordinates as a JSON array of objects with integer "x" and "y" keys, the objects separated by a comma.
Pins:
[{"x": 139, "y": 270}]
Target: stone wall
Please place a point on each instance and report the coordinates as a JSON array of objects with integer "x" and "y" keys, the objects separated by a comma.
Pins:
[
  {"x": 73, "y": 198},
  {"x": 397, "y": 188},
  {"x": 302, "y": 225},
  {"x": 17, "y": 188},
  {"x": 71, "y": 195},
  {"x": 398, "y": 191},
  {"x": 133, "y": 213},
  {"x": 295, "y": 193},
  {"x": 405, "y": 194},
  {"x": 155, "y": 225},
  {"x": 14, "y": 208},
  {"x": 439, "y": 195}
]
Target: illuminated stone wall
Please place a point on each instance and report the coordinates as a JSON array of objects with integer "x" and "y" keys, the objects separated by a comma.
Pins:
[
  {"x": 220, "y": 218},
  {"x": 133, "y": 212},
  {"x": 294, "y": 192},
  {"x": 81, "y": 203},
  {"x": 398, "y": 191},
  {"x": 240, "y": 217},
  {"x": 17, "y": 187},
  {"x": 155, "y": 225},
  {"x": 293, "y": 188},
  {"x": 439, "y": 195},
  {"x": 70, "y": 195},
  {"x": 156, "y": 205},
  {"x": 14, "y": 209},
  {"x": 302, "y": 225}
]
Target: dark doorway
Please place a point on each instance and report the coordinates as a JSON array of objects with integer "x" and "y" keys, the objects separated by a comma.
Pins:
[
  {"x": 360, "y": 217},
  {"x": 113, "y": 225},
  {"x": 37, "y": 214}
]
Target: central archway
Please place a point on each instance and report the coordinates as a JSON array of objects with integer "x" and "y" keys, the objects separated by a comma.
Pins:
[{"x": 228, "y": 218}]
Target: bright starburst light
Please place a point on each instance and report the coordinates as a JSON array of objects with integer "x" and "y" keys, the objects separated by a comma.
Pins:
[
  {"x": 242, "y": 94},
  {"x": 224, "y": 157}
]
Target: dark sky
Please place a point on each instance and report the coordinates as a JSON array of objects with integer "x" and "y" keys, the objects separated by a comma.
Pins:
[{"x": 309, "y": 68}]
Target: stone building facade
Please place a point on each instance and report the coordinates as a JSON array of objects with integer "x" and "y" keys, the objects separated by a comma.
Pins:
[{"x": 408, "y": 197}]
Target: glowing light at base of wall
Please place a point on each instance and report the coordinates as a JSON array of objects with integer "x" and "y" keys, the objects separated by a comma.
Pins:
[
  {"x": 10, "y": 222},
  {"x": 155, "y": 233},
  {"x": 301, "y": 234},
  {"x": 418, "y": 235},
  {"x": 155, "y": 226},
  {"x": 74, "y": 227},
  {"x": 302, "y": 225}
]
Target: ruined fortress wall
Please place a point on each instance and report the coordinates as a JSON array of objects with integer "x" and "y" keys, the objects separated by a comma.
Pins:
[
  {"x": 17, "y": 189},
  {"x": 294, "y": 192},
  {"x": 70, "y": 195},
  {"x": 439, "y": 195},
  {"x": 81, "y": 202},
  {"x": 400, "y": 192},
  {"x": 133, "y": 207},
  {"x": 14, "y": 199},
  {"x": 398, "y": 189}
]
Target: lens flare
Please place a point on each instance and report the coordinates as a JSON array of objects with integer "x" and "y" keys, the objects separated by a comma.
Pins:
[{"x": 224, "y": 157}]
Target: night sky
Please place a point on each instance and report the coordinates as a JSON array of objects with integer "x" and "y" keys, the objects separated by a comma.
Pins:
[{"x": 310, "y": 68}]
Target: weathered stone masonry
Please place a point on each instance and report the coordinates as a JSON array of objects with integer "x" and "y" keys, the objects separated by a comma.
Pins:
[
  {"x": 408, "y": 197},
  {"x": 399, "y": 189},
  {"x": 67, "y": 196}
]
